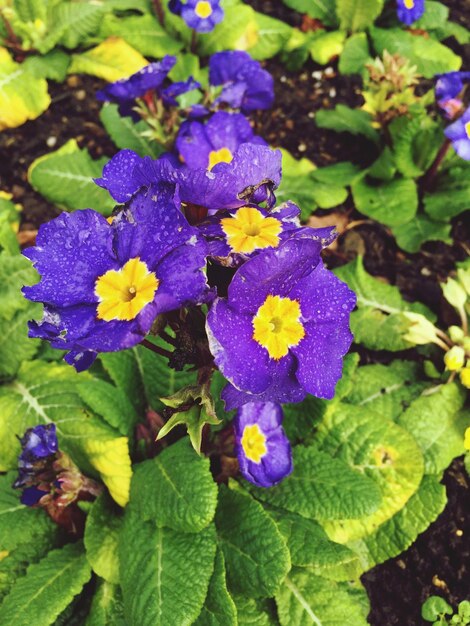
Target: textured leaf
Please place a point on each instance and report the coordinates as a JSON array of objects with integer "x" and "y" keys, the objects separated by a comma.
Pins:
[
  {"x": 53, "y": 65},
  {"x": 65, "y": 177},
  {"x": 428, "y": 55},
  {"x": 126, "y": 133},
  {"x": 15, "y": 345},
  {"x": 300, "y": 418},
  {"x": 392, "y": 203},
  {"x": 454, "y": 184},
  {"x": 357, "y": 15},
  {"x": 271, "y": 37},
  {"x": 112, "y": 60},
  {"x": 386, "y": 389},
  {"x": 238, "y": 30},
  {"x": 343, "y": 119},
  {"x": 171, "y": 571},
  {"x": 71, "y": 23},
  {"x": 306, "y": 600},
  {"x": 107, "y": 608},
  {"x": 398, "y": 533},
  {"x": 355, "y": 55},
  {"x": 321, "y": 487},
  {"x": 252, "y": 612},
  {"x": 45, "y": 393},
  {"x": 378, "y": 324},
  {"x": 256, "y": 554},
  {"x": 411, "y": 236},
  {"x": 415, "y": 143},
  {"x": 324, "y": 10},
  {"x": 219, "y": 608},
  {"x": 383, "y": 451},
  {"x": 310, "y": 547},
  {"x": 175, "y": 489},
  {"x": 436, "y": 423},
  {"x": 326, "y": 46},
  {"x": 47, "y": 588},
  {"x": 101, "y": 538},
  {"x": 22, "y": 96}
]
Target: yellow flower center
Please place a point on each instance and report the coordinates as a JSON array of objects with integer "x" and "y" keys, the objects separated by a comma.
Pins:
[
  {"x": 254, "y": 443},
  {"x": 409, "y": 4},
  {"x": 203, "y": 9},
  {"x": 277, "y": 326},
  {"x": 219, "y": 156},
  {"x": 467, "y": 129},
  {"x": 248, "y": 230},
  {"x": 124, "y": 293}
]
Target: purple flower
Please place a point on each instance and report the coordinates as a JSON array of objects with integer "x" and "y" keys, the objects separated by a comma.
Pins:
[
  {"x": 284, "y": 327},
  {"x": 245, "y": 85},
  {"x": 408, "y": 11},
  {"x": 236, "y": 235},
  {"x": 263, "y": 450},
  {"x": 448, "y": 88},
  {"x": 459, "y": 134},
  {"x": 205, "y": 145},
  {"x": 175, "y": 6},
  {"x": 103, "y": 284},
  {"x": 32, "y": 495},
  {"x": 38, "y": 442},
  {"x": 202, "y": 15}
]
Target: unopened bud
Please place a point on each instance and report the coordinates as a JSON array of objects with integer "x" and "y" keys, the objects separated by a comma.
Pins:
[
  {"x": 465, "y": 380},
  {"x": 454, "y": 359},
  {"x": 463, "y": 274},
  {"x": 421, "y": 330},
  {"x": 454, "y": 293},
  {"x": 456, "y": 334}
]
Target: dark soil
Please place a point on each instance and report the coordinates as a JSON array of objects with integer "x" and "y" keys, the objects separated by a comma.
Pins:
[{"x": 438, "y": 563}]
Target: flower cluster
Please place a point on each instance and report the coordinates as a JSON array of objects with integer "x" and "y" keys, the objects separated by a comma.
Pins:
[
  {"x": 449, "y": 90},
  {"x": 200, "y": 226}
]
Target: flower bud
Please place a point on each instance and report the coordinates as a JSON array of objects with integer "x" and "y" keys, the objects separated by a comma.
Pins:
[
  {"x": 465, "y": 380},
  {"x": 454, "y": 293},
  {"x": 454, "y": 359},
  {"x": 463, "y": 274},
  {"x": 456, "y": 334},
  {"x": 421, "y": 330}
]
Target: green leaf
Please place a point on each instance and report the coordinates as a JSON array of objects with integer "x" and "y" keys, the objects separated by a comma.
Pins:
[
  {"x": 454, "y": 184},
  {"x": 434, "y": 608},
  {"x": 171, "y": 571},
  {"x": 111, "y": 60},
  {"x": 411, "y": 236},
  {"x": 45, "y": 393},
  {"x": 30, "y": 10},
  {"x": 438, "y": 426},
  {"x": 175, "y": 489},
  {"x": 101, "y": 539},
  {"x": 252, "y": 612},
  {"x": 15, "y": 345},
  {"x": 53, "y": 65},
  {"x": 271, "y": 37},
  {"x": 356, "y": 15},
  {"x": 339, "y": 174},
  {"x": 355, "y": 55},
  {"x": 107, "y": 608},
  {"x": 300, "y": 418},
  {"x": 382, "y": 451},
  {"x": 326, "y": 46},
  {"x": 142, "y": 32},
  {"x": 386, "y": 389},
  {"x": 47, "y": 588},
  {"x": 343, "y": 119},
  {"x": 392, "y": 203},
  {"x": 398, "y": 533},
  {"x": 428, "y": 55},
  {"x": 219, "y": 609},
  {"x": 256, "y": 554},
  {"x": 435, "y": 15},
  {"x": 9, "y": 224},
  {"x": 22, "y": 96},
  {"x": 310, "y": 547},
  {"x": 238, "y": 30},
  {"x": 307, "y": 600},
  {"x": 415, "y": 143},
  {"x": 379, "y": 322},
  {"x": 322, "y": 487},
  {"x": 323, "y": 10},
  {"x": 126, "y": 133},
  {"x": 65, "y": 177},
  {"x": 71, "y": 23},
  {"x": 384, "y": 167}
]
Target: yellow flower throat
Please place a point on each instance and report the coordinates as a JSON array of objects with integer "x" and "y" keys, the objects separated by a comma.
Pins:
[
  {"x": 254, "y": 443},
  {"x": 277, "y": 326},
  {"x": 248, "y": 230}
]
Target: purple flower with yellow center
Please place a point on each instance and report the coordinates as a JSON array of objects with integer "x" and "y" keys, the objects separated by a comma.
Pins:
[
  {"x": 459, "y": 134},
  {"x": 408, "y": 11},
  {"x": 245, "y": 85},
  {"x": 103, "y": 284},
  {"x": 205, "y": 145},
  {"x": 263, "y": 450},
  {"x": 448, "y": 89},
  {"x": 202, "y": 15},
  {"x": 237, "y": 234},
  {"x": 284, "y": 327}
]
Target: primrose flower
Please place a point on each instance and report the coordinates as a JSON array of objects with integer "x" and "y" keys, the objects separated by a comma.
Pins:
[
  {"x": 448, "y": 88},
  {"x": 454, "y": 359},
  {"x": 103, "y": 284},
  {"x": 235, "y": 235},
  {"x": 409, "y": 11},
  {"x": 38, "y": 442},
  {"x": 124, "y": 92},
  {"x": 263, "y": 450},
  {"x": 202, "y": 15},
  {"x": 245, "y": 85},
  {"x": 459, "y": 134},
  {"x": 465, "y": 380},
  {"x": 284, "y": 327},
  {"x": 205, "y": 145}
]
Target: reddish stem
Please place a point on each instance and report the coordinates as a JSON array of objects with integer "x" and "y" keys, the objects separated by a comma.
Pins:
[
  {"x": 151, "y": 346},
  {"x": 157, "y": 5},
  {"x": 431, "y": 173}
]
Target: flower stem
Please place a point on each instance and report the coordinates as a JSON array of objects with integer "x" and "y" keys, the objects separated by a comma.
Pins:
[
  {"x": 154, "y": 348},
  {"x": 159, "y": 12},
  {"x": 193, "y": 45},
  {"x": 431, "y": 173}
]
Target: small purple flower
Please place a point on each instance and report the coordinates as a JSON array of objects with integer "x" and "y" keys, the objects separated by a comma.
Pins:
[
  {"x": 205, "y": 145},
  {"x": 245, "y": 85},
  {"x": 284, "y": 327},
  {"x": 448, "y": 87},
  {"x": 103, "y": 284},
  {"x": 409, "y": 11},
  {"x": 32, "y": 495},
  {"x": 263, "y": 450},
  {"x": 202, "y": 15},
  {"x": 175, "y": 6},
  {"x": 39, "y": 442},
  {"x": 459, "y": 134}
]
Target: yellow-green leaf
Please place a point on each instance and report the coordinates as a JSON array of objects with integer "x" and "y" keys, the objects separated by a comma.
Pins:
[{"x": 112, "y": 60}]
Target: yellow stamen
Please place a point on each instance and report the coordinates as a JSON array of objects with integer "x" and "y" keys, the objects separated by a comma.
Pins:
[
  {"x": 467, "y": 129},
  {"x": 277, "y": 326},
  {"x": 124, "y": 293},
  {"x": 409, "y": 4},
  {"x": 250, "y": 230},
  {"x": 219, "y": 156},
  {"x": 203, "y": 9},
  {"x": 254, "y": 443}
]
